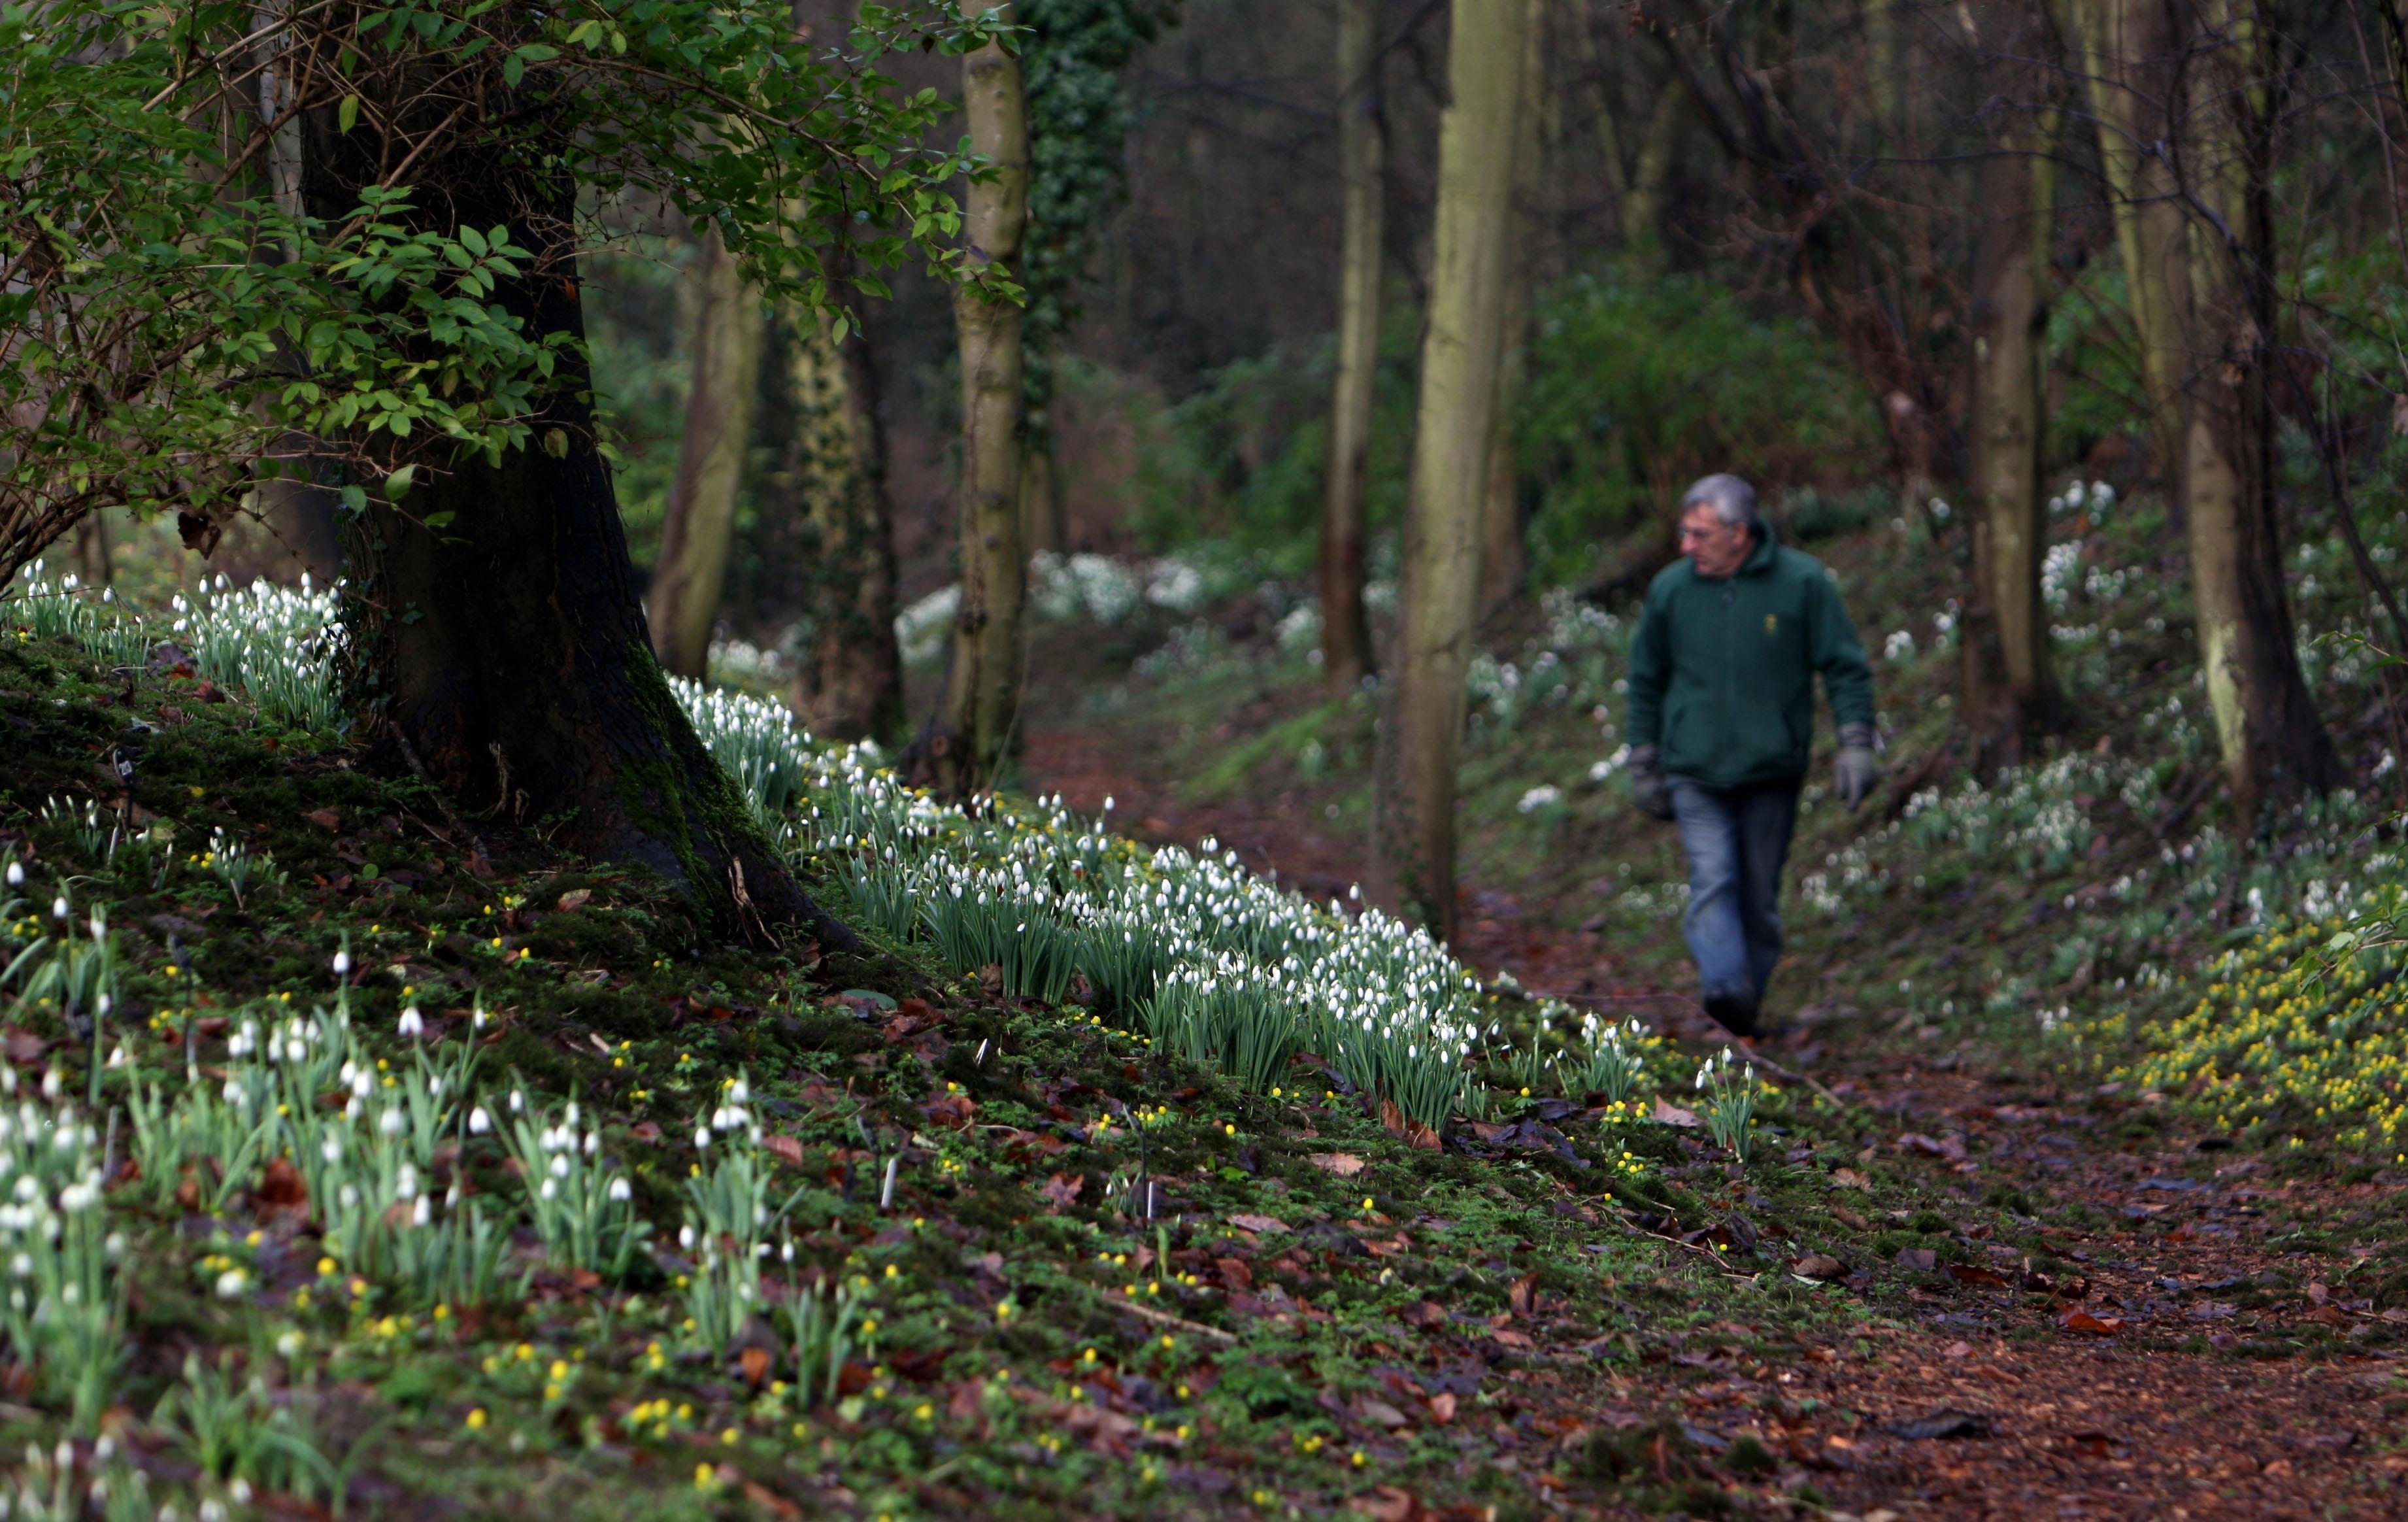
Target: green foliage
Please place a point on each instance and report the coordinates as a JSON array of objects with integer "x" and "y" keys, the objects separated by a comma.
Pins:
[
  {"x": 1639, "y": 384},
  {"x": 175, "y": 321}
]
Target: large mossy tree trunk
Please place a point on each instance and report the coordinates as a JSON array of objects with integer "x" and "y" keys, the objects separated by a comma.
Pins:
[
  {"x": 850, "y": 682},
  {"x": 505, "y": 646},
  {"x": 729, "y": 329},
  {"x": 1346, "y": 656},
  {"x": 2009, "y": 689},
  {"x": 2273, "y": 745},
  {"x": 967, "y": 744},
  {"x": 1460, "y": 350}
]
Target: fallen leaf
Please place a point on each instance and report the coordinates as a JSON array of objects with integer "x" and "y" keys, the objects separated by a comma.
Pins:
[
  {"x": 326, "y": 819},
  {"x": 1234, "y": 1272},
  {"x": 1061, "y": 1188},
  {"x": 1818, "y": 1265},
  {"x": 1388, "y": 1503},
  {"x": 1524, "y": 1291},
  {"x": 1920, "y": 1144},
  {"x": 1974, "y": 1277},
  {"x": 785, "y": 1146},
  {"x": 281, "y": 1187},
  {"x": 1672, "y": 1115},
  {"x": 1958, "y": 1350},
  {"x": 1441, "y": 1407},
  {"x": 1421, "y": 1136},
  {"x": 1921, "y": 1259},
  {"x": 1848, "y": 1178},
  {"x": 1259, "y": 1224},
  {"x": 1946, "y": 1422},
  {"x": 21, "y": 1045},
  {"x": 1344, "y": 1164},
  {"x": 755, "y": 1363},
  {"x": 1423, "y": 1314},
  {"x": 573, "y": 898},
  {"x": 1384, "y": 1413},
  {"x": 2083, "y": 1321},
  {"x": 1507, "y": 1337},
  {"x": 762, "y": 1496}
]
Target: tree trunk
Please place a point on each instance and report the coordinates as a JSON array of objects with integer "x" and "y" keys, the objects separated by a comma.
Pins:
[
  {"x": 967, "y": 744},
  {"x": 1043, "y": 513},
  {"x": 1345, "y": 628},
  {"x": 1504, "y": 550},
  {"x": 728, "y": 330},
  {"x": 2130, "y": 62},
  {"x": 1460, "y": 353},
  {"x": 1637, "y": 185},
  {"x": 2273, "y": 745},
  {"x": 2010, "y": 691},
  {"x": 91, "y": 550},
  {"x": 851, "y": 684},
  {"x": 506, "y": 648}
]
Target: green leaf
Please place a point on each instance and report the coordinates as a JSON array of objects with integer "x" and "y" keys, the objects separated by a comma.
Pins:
[
  {"x": 396, "y": 485},
  {"x": 441, "y": 519},
  {"x": 347, "y": 115}
]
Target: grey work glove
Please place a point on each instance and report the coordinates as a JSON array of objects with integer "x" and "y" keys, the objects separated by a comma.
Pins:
[
  {"x": 1858, "y": 772},
  {"x": 1647, "y": 785}
]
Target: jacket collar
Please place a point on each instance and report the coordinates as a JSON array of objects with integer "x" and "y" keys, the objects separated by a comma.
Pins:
[{"x": 1767, "y": 550}]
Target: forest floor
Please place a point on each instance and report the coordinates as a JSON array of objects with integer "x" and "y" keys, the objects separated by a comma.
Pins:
[{"x": 2187, "y": 1368}]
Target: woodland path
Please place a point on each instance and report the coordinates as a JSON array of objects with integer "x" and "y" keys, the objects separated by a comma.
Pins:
[{"x": 2107, "y": 1417}]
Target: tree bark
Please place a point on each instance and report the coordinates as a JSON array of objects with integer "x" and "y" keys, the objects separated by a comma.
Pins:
[
  {"x": 1504, "y": 551},
  {"x": 506, "y": 647},
  {"x": 1460, "y": 353},
  {"x": 2009, "y": 692},
  {"x": 2130, "y": 62},
  {"x": 967, "y": 744},
  {"x": 850, "y": 682},
  {"x": 729, "y": 330},
  {"x": 1043, "y": 513},
  {"x": 1346, "y": 656},
  {"x": 2273, "y": 745}
]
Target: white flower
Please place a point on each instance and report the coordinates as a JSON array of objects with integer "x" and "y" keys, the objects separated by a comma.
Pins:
[
  {"x": 620, "y": 1190},
  {"x": 480, "y": 1122},
  {"x": 59, "y": 908},
  {"x": 702, "y": 1138},
  {"x": 16, "y": 874},
  {"x": 413, "y": 1025},
  {"x": 230, "y": 1283},
  {"x": 342, "y": 964}
]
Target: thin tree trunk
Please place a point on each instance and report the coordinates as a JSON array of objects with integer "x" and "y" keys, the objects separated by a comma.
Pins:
[
  {"x": 729, "y": 330},
  {"x": 1044, "y": 525},
  {"x": 1637, "y": 183},
  {"x": 967, "y": 741},
  {"x": 1460, "y": 353},
  {"x": 2273, "y": 745},
  {"x": 2129, "y": 63},
  {"x": 850, "y": 684},
  {"x": 1504, "y": 552},
  {"x": 91, "y": 550},
  {"x": 1345, "y": 627},
  {"x": 2010, "y": 690}
]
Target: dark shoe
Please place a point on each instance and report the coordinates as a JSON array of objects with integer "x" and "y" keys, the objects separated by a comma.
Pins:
[{"x": 1734, "y": 1013}]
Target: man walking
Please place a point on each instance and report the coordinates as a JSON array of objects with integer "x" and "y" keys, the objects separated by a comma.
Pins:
[{"x": 1722, "y": 716}]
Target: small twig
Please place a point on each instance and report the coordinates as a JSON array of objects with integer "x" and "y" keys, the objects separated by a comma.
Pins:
[{"x": 1165, "y": 1318}]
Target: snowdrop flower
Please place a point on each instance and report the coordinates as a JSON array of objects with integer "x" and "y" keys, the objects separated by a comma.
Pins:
[
  {"x": 230, "y": 1283},
  {"x": 620, "y": 1191},
  {"x": 331, "y": 1148},
  {"x": 59, "y": 909},
  {"x": 685, "y": 1238},
  {"x": 550, "y": 1189},
  {"x": 480, "y": 1122},
  {"x": 97, "y": 924},
  {"x": 391, "y": 1122},
  {"x": 413, "y": 1025},
  {"x": 702, "y": 1139},
  {"x": 517, "y": 1101},
  {"x": 16, "y": 874},
  {"x": 343, "y": 963}
]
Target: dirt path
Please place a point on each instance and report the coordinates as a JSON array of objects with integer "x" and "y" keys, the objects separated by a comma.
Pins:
[{"x": 2188, "y": 1363}]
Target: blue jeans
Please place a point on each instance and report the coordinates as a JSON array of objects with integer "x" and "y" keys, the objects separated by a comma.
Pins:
[{"x": 1736, "y": 838}]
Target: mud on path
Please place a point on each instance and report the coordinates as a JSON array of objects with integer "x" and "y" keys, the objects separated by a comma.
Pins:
[{"x": 2183, "y": 1361}]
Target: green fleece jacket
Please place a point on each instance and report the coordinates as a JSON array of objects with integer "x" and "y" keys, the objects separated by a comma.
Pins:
[{"x": 1722, "y": 671}]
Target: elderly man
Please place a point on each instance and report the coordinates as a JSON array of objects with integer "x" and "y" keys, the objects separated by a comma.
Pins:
[{"x": 1722, "y": 715}]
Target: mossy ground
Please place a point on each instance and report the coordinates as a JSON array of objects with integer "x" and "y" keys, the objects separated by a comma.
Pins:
[{"x": 1314, "y": 1308}]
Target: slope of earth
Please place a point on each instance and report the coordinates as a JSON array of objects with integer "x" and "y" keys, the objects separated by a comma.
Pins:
[
  {"x": 841, "y": 1237},
  {"x": 2109, "y": 1312}
]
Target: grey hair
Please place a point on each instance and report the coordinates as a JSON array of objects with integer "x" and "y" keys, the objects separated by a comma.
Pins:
[{"x": 1732, "y": 499}]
